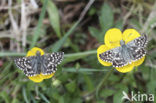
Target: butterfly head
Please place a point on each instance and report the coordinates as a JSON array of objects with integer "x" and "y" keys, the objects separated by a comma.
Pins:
[
  {"x": 38, "y": 53},
  {"x": 122, "y": 42}
]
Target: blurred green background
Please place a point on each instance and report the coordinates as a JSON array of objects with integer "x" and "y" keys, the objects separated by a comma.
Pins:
[{"x": 76, "y": 27}]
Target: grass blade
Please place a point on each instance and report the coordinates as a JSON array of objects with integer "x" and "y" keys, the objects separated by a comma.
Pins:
[
  {"x": 9, "y": 54},
  {"x": 54, "y": 17},
  {"x": 82, "y": 70},
  {"x": 59, "y": 43},
  {"x": 25, "y": 95},
  {"x": 44, "y": 98},
  {"x": 37, "y": 32}
]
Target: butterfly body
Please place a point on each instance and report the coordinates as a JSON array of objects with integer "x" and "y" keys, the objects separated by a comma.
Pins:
[
  {"x": 126, "y": 53},
  {"x": 37, "y": 63},
  {"x": 45, "y": 64}
]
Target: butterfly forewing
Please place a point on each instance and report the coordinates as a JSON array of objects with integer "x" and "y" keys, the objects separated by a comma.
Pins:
[
  {"x": 110, "y": 54},
  {"x": 32, "y": 66},
  {"x": 135, "y": 50},
  {"x": 51, "y": 61},
  {"x": 25, "y": 64},
  {"x": 138, "y": 42},
  {"x": 107, "y": 56}
]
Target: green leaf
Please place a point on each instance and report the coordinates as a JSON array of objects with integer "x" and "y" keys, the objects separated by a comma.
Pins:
[
  {"x": 92, "y": 11},
  {"x": 54, "y": 17},
  {"x": 117, "y": 98},
  {"x": 106, "y": 17},
  {"x": 107, "y": 92},
  {"x": 77, "y": 100},
  {"x": 114, "y": 78},
  {"x": 56, "y": 95},
  {"x": 5, "y": 96},
  {"x": 101, "y": 101},
  {"x": 135, "y": 24},
  {"x": 119, "y": 24},
  {"x": 118, "y": 95},
  {"x": 61, "y": 100},
  {"x": 96, "y": 33},
  {"x": 89, "y": 83},
  {"x": 71, "y": 86}
]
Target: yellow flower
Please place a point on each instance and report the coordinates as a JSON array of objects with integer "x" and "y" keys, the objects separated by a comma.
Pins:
[
  {"x": 39, "y": 77},
  {"x": 112, "y": 40}
]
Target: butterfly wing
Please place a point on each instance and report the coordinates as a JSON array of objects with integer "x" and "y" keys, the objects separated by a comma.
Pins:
[
  {"x": 26, "y": 65},
  {"x": 137, "y": 53},
  {"x": 113, "y": 56},
  {"x": 139, "y": 42},
  {"x": 118, "y": 60},
  {"x": 51, "y": 61},
  {"x": 137, "y": 47},
  {"x": 107, "y": 56}
]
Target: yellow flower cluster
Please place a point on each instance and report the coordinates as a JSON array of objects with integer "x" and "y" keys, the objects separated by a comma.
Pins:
[
  {"x": 39, "y": 77},
  {"x": 112, "y": 40}
]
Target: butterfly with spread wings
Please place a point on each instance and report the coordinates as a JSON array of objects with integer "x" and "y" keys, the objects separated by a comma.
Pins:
[
  {"x": 45, "y": 64},
  {"x": 126, "y": 53}
]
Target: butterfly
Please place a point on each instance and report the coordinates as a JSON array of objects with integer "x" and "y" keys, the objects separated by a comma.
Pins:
[
  {"x": 45, "y": 64},
  {"x": 126, "y": 53}
]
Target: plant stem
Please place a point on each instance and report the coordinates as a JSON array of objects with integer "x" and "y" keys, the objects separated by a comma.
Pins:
[
  {"x": 4, "y": 54},
  {"x": 102, "y": 83}
]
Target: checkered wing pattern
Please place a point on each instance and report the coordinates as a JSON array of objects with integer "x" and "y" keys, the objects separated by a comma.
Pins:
[
  {"x": 32, "y": 66},
  {"x": 137, "y": 53},
  {"x": 118, "y": 60},
  {"x": 138, "y": 42},
  {"x": 107, "y": 56},
  {"x": 113, "y": 56},
  {"x": 25, "y": 64},
  {"x": 136, "y": 49},
  {"x": 51, "y": 62}
]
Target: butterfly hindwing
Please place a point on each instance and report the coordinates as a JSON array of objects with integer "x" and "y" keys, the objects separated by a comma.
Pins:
[
  {"x": 51, "y": 61},
  {"x": 137, "y": 53},
  {"x": 45, "y": 64},
  {"x": 113, "y": 56},
  {"x": 126, "y": 53},
  {"x": 107, "y": 56},
  {"x": 118, "y": 60}
]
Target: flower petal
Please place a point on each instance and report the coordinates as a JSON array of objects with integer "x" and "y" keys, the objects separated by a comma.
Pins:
[
  {"x": 100, "y": 50},
  {"x": 36, "y": 78},
  {"x": 113, "y": 37},
  {"x": 139, "y": 62},
  {"x": 126, "y": 68},
  {"x": 130, "y": 34},
  {"x": 33, "y": 51},
  {"x": 47, "y": 76}
]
